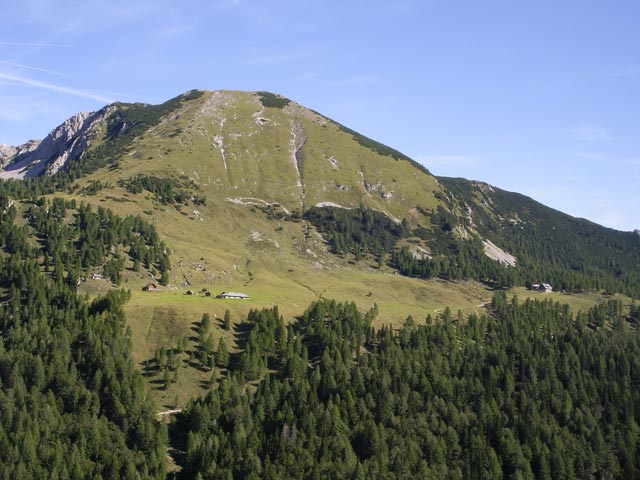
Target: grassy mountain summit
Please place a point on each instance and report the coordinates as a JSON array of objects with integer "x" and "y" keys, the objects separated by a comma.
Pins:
[
  {"x": 237, "y": 145},
  {"x": 252, "y": 190},
  {"x": 249, "y": 172}
]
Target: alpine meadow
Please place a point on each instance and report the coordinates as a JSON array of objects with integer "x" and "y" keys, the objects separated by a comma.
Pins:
[{"x": 229, "y": 285}]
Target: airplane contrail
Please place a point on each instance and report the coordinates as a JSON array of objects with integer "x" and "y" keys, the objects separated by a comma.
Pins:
[
  {"x": 55, "y": 88},
  {"x": 27, "y": 44},
  {"x": 30, "y": 67}
]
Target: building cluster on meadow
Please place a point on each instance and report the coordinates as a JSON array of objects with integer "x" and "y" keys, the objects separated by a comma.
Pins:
[{"x": 151, "y": 287}]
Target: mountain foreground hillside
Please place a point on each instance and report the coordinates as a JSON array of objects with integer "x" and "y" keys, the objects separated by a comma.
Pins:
[
  {"x": 133, "y": 218},
  {"x": 237, "y": 169},
  {"x": 253, "y": 193}
]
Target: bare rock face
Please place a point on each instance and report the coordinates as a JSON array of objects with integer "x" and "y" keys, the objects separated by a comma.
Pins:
[
  {"x": 496, "y": 253},
  {"x": 9, "y": 152},
  {"x": 65, "y": 142}
]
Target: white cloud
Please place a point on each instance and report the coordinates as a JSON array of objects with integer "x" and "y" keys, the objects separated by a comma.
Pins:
[
  {"x": 18, "y": 110},
  {"x": 625, "y": 72},
  {"x": 580, "y": 197},
  {"x": 590, "y": 133},
  {"x": 174, "y": 30},
  {"x": 73, "y": 17},
  {"x": 37, "y": 45},
  {"x": 25, "y": 109},
  {"x": 438, "y": 161},
  {"x": 355, "y": 81},
  {"x": 278, "y": 59}
]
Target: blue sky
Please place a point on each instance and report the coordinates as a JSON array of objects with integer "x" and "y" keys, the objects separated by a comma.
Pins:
[{"x": 540, "y": 97}]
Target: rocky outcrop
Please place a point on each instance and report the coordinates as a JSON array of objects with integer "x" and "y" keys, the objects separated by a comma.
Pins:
[
  {"x": 494, "y": 252},
  {"x": 66, "y": 142},
  {"x": 9, "y": 152}
]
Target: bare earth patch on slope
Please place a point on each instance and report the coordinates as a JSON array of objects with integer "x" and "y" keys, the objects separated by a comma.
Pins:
[{"x": 494, "y": 252}]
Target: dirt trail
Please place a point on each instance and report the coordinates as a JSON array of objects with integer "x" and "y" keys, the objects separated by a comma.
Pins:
[{"x": 169, "y": 412}]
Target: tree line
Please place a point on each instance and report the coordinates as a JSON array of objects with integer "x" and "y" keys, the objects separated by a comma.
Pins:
[
  {"x": 75, "y": 238},
  {"x": 576, "y": 253},
  {"x": 362, "y": 233},
  {"x": 167, "y": 191}
]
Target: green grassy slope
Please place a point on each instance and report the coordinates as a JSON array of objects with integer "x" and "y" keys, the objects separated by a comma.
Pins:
[
  {"x": 243, "y": 156},
  {"x": 257, "y": 158}
]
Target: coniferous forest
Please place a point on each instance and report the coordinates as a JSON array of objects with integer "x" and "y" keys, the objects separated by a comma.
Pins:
[
  {"x": 527, "y": 392},
  {"x": 574, "y": 263},
  {"x": 526, "y": 389},
  {"x": 73, "y": 404}
]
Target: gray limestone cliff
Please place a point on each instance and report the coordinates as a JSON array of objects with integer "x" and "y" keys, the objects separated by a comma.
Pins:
[{"x": 67, "y": 141}]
